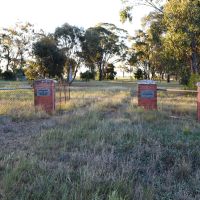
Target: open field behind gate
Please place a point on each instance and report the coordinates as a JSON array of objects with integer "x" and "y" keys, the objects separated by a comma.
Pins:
[{"x": 101, "y": 146}]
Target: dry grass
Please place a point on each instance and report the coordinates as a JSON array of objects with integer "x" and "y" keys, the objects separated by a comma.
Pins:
[{"x": 103, "y": 147}]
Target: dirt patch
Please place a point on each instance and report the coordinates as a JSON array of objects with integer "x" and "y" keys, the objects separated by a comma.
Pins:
[{"x": 16, "y": 136}]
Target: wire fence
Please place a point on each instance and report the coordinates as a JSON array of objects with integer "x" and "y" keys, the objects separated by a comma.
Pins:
[
  {"x": 15, "y": 99},
  {"x": 178, "y": 103},
  {"x": 62, "y": 89},
  {"x": 19, "y": 99}
]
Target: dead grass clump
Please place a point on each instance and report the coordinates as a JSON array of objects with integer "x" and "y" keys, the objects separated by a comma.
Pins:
[
  {"x": 21, "y": 113},
  {"x": 183, "y": 170}
]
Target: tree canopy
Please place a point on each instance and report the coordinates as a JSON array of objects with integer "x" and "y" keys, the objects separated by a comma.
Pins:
[
  {"x": 167, "y": 44},
  {"x": 69, "y": 40},
  {"x": 50, "y": 58},
  {"x": 169, "y": 41},
  {"x": 104, "y": 44}
]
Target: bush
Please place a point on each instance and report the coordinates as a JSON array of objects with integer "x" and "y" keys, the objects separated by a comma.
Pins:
[
  {"x": 88, "y": 75},
  {"x": 194, "y": 78},
  {"x": 139, "y": 74},
  {"x": 32, "y": 72},
  {"x": 110, "y": 72},
  {"x": 19, "y": 73},
  {"x": 184, "y": 80},
  {"x": 185, "y": 77},
  {"x": 8, "y": 75}
]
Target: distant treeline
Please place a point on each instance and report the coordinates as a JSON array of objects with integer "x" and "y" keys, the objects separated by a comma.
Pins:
[{"x": 168, "y": 45}]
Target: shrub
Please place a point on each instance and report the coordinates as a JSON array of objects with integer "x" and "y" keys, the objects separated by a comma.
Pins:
[
  {"x": 139, "y": 74},
  {"x": 110, "y": 72},
  {"x": 19, "y": 73},
  {"x": 194, "y": 78},
  {"x": 185, "y": 77},
  {"x": 8, "y": 75},
  {"x": 88, "y": 75},
  {"x": 32, "y": 72}
]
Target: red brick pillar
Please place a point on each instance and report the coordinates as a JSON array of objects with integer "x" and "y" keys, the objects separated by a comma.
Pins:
[
  {"x": 44, "y": 94},
  {"x": 198, "y": 101},
  {"x": 147, "y": 94}
]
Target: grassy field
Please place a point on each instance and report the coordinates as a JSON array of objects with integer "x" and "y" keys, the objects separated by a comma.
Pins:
[{"x": 101, "y": 146}]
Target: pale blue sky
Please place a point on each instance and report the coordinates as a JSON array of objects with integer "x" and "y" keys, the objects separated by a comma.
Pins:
[{"x": 49, "y": 14}]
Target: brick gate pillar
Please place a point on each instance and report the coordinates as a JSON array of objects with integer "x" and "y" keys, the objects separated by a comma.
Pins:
[
  {"x": 147, "y": 94},
  {"x": 44, "y": 94}
]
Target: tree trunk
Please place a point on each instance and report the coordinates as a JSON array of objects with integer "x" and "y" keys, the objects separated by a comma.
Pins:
[
  {"x": 168, "y": 78},
  {"x": 162, "y": 76},
  {"x": 153, "y": 74},
  {"x": 103, "y": 71},
  {"x": 75, "y": 72},
  {"x": 100, "y": 74},
  {"x": 8, "y": 60},
  {"x": 21, "y": 60},
  {"x": 194, "y": 60},
  {"x": 7, "y": 66},
  {"x": 176, "y": 77}
]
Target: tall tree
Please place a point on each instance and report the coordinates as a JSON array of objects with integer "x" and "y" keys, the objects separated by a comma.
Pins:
[
  {"x": 69, "y": 39},
  {"x": 155, "y": 30},
  {"x": 104, "y": 44},
  {"x": 16, "y": 44},
  {"x": 6, "y": 48},
  {"x": 182, "y": 19},
  {"x": 176, "y": 44},
  {"x": 148, "y": 44},
  {"x": 50, "y": 58}
]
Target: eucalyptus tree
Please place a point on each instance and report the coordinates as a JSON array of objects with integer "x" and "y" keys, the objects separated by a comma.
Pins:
[
  {"x": 141, "y": 51},
  {"x": 166, "y": 53},
  {"x": 69, "y": 39},
  {"x": 148, "y": 45},
  {"x": 126, "y": 12},
  {"x": 6, "y": 48},
  {"x": 104, "y": 44},
  {"x": 147, "y": 41},
  {"x": 16, "y": 45},
  {"x": 182, "y": 19},
  {"x": 155, "y": 30},
  {"x": 50, "y": 58},
  {"x": 179, "y": 50}
]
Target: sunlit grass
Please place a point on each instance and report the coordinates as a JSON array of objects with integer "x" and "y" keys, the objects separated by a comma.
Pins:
[
  {"x": 14, "y": 84},
  {"x": 178, "y": 105}
]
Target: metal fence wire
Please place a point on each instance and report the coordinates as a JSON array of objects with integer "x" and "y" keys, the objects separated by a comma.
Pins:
[
  {"x": 17, "y": 99},
  {"x": 62, "y": 89},
  {"x": 178, "y": 104},
  {"x": 14, "y": 99}
]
